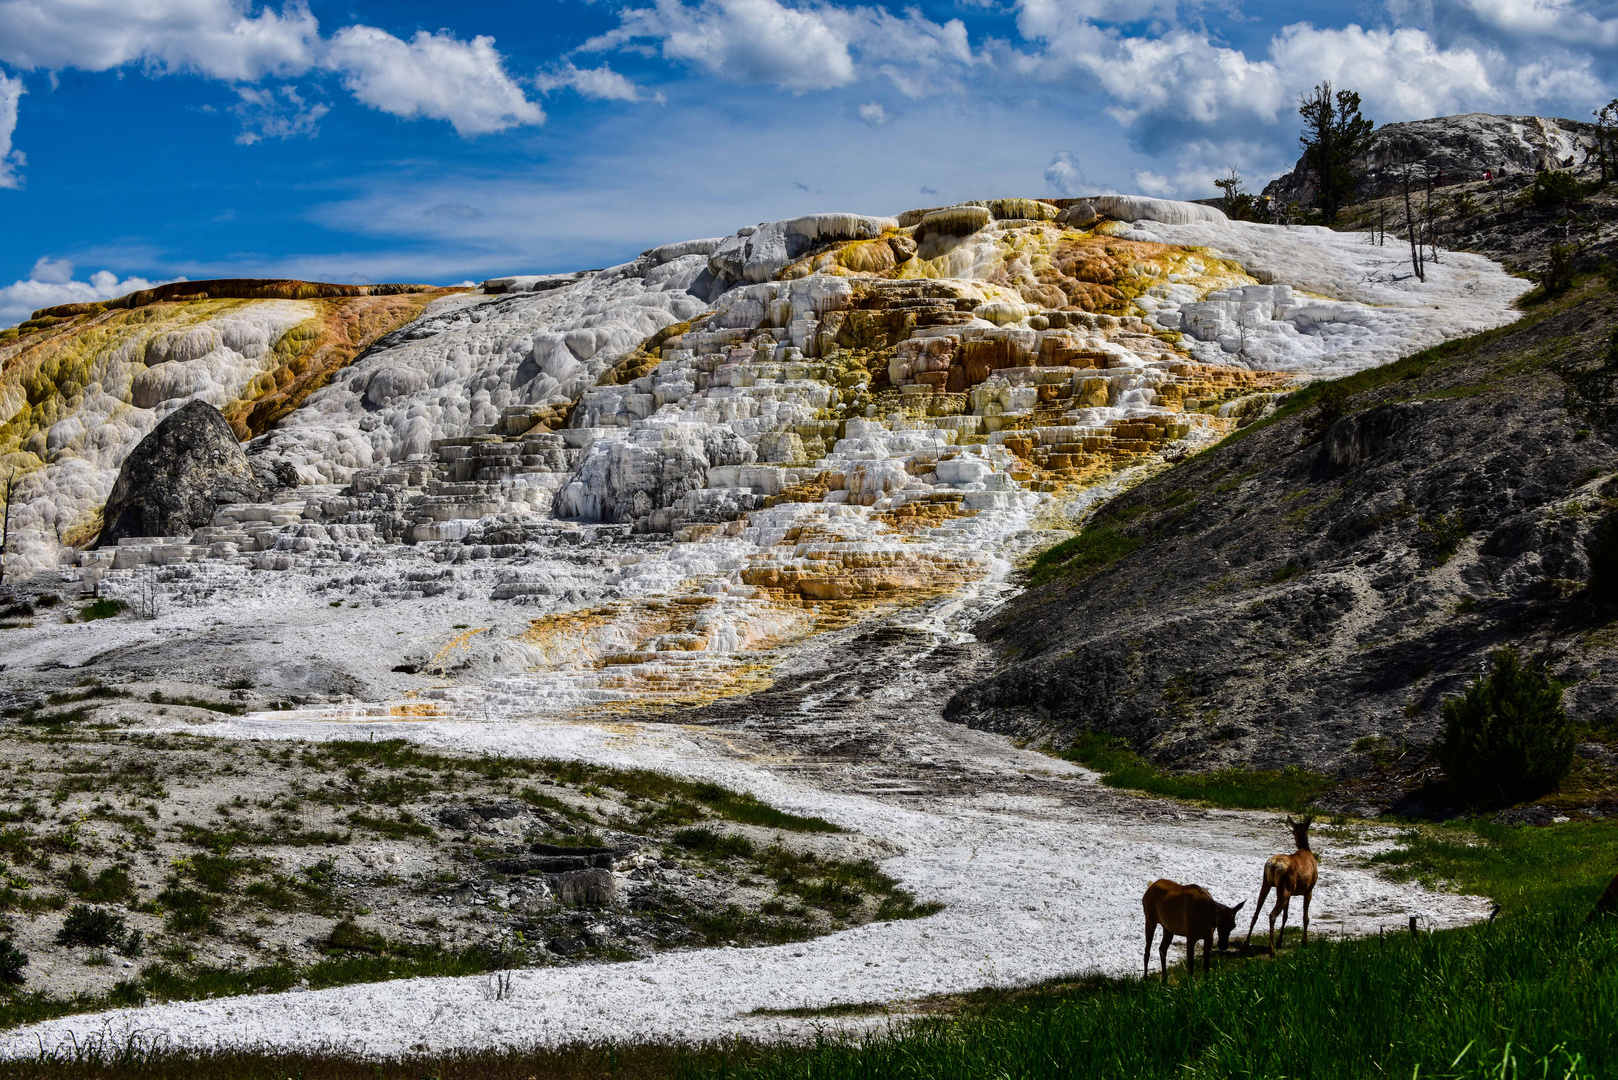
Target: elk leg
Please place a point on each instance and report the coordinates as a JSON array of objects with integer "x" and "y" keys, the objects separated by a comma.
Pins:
[
  {"x": 1151, "y": 931},
  {"x": 1285, "y": 913},
  {"x": 1281, "y": 900},
  {"x": 1306, "y": 897},
  {"x": 1263, "y": 893},
  {"x": 1190, "y": 957},
  {"x": 1163, "y": 954},
  {"x": 1207, "y": 953}
]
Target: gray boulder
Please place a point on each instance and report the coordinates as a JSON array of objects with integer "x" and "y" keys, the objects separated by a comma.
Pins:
[{"x": 174, "y": 479}]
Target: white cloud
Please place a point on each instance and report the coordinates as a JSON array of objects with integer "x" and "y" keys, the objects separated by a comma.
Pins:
[
  {"x": 1154, "y": 183},
  {"x": 748, "y": 41},
  {"x": 1556, "y": 20},
  {"x": 1063, "y": 175},
  {"x": 217, "y": 38},
  {"x": 432, "y": 75},
  {"x": 1558, "y": 78},
  {"x": 51, "y": 271},
  {"x": 601, "y": 83},
  {"x": 275, "y": 113},
  {"x": 51, "y": 283},
  {"x": 873, "y": 113},
  {"x": 814, "y": 46},
  {"x": 1400, "y": 74},
  {"x": 10, "y": 160}
]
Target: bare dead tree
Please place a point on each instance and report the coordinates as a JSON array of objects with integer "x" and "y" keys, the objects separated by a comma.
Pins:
[
  {"x": 5, "y": 521},
  {"x": 1432, "y": 222},
  {"x": 1411, "y": 228}
]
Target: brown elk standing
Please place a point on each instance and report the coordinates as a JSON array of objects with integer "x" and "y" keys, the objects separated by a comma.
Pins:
[
  {"x": 1289, "y": 875},
  {"x": 1189, "y": 911}
]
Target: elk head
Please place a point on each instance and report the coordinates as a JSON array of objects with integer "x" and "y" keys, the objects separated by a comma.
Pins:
[
  {"x": 1227, "y": 923},
  {"x": 1300, "y": 830}
]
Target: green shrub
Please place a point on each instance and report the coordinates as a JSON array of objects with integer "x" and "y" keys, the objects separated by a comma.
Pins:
[
  {"x": 349, "y": 936},
  {"x": 1331, "y": 405},
  {"x": 12, "y": 961},
  {"x": 101, "y": 609},
  {"x": 1557, "y": 276},
  {"x": 1556, "y": 188},
  {"x": 1097, "y": 546},
  {"x": 86, "y": 925},
  {"x": 1442, "y": 536},
  {"x": 1507, "y": 738}
]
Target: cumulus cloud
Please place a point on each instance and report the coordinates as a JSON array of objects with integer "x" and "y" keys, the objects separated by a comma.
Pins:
[
  {"x": 275, "y": 113},
  {"x": 601, "y": 83},
  {"x": 1155, "y": 183},
  {"x": 217, "y": 38},
  {"x": 1564, "y": 21},
  {"x": 431, "y": 75},
  {"x": 1400, "y": 74},
  {"x": 51, "y": 282},
  {"x": 1063, "y": 175},
  {"x": 816, "y": 46},
  {"x": 749, "y": 41},
  {"x": 873, "y": 113},
  {"x": 10, "y": 160}
]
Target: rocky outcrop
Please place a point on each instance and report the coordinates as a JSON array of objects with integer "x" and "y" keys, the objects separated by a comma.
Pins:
[
  {"x": 1455, "y": 148},
  {"x": 176, "y": 477},
  {"x": 1286, "y": 600}
]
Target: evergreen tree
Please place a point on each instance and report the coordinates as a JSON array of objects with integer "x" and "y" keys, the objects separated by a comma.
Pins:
[
  {"x": 1507, "y": 737},
  {"x": 1334, "y": 135}
]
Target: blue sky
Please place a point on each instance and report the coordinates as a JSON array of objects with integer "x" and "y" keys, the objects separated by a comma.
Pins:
[{"x": 144, "y": 140}]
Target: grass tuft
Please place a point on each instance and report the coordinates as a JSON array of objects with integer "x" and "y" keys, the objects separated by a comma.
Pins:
[{"x": 1289, "y": 789}]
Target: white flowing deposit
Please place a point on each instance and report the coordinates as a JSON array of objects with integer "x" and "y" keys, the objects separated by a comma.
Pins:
[{"x": 1035, "y": 887}]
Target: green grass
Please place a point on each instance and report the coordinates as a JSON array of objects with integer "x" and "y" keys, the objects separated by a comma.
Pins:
[
  {"x": 1098, "y": 546},
  {"x": 1525, "y": 870},
  {"x": 101, "y": 609},
  {"x": 400, "y": 755},
  {"x": 1240, "y": 789}
]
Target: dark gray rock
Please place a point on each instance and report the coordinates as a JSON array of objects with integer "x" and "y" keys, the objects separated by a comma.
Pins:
[
  {"x": 1361, "y": 437},
  {"x": 174, "y": 479},
  {"x": 584, "y": 888}
]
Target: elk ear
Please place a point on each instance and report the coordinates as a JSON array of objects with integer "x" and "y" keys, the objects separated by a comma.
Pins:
[
  {"x": 1238, "y": 907},
  {"x": 1290, "y": 821}
]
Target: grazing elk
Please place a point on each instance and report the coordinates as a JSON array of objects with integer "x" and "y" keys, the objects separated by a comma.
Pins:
[
  {"x": 1289, "y": 875},
  {"x": 1608, "y": 904},
  {"x": 1189, "y": 911}
]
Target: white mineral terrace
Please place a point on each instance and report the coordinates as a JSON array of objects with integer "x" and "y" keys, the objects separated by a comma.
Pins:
[{"x": 499, "y": 584}]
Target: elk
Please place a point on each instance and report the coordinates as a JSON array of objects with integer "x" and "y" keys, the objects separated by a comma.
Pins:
[
  {"x": 1289, "y": 875},
  {"x": 1608, "y": 904},
  {"x": 1189, "y": 911}
]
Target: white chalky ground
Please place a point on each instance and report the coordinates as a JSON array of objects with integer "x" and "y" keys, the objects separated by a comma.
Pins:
[{"x": 1034, "y": 887}]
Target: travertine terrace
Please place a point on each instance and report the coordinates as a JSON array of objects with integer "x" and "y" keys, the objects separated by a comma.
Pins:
[
  {"x": 670, "y": 467},
  {"x": 545, "y": 512}
]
